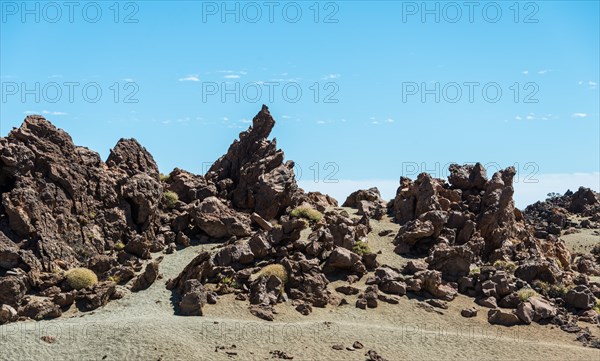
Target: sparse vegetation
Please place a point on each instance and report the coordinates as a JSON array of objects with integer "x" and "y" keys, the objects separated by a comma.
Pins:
[
  {"x": 597, "y": 306},
  {"x": 551, "y": 290},
  {"x": 170, "y": 199},
  {"x": 115, "y": 279},
  {"x": 79, "y": 278},
  {"x": 361, "y": 248},
  {"x": 119, "y": 246},
  {"x": 505, "y": 266},
  {"x": 525, "y": 293},
  {"x": 307, "y": 213},
  {"x": 475, "y": 271},
  {"x": 230, "y": 281},
  {"x": 272, "y": 270},
  {"x": 164, "y": 177}
]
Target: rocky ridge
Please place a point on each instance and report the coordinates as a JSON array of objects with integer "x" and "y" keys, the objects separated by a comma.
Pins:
[{"x": 63, "y": 207}]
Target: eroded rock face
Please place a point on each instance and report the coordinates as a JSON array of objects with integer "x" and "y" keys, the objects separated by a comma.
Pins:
[
  {"x": 253, "y": 175},
  {"x": 218, "y": 220},
  {"x": 470, "y": 219},
  {"x": 368, "y": 202},
  {"x": 190, "y": 187},
  {"x": 62, "y": 206}
]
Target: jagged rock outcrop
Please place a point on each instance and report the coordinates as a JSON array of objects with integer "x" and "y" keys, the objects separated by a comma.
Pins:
[
  {"x": 559, "y": 213},
  {"x": 190, "y": 187},
  {"x": 368, "y": 202},
  {"x": 61, "y": 206},
  {"x": 469, "y": 220},
  {"x": 253, "y": 174}
]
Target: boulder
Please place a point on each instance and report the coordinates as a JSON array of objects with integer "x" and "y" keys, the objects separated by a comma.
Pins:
[
  {"x": 580, "y": 297},
  {"x": 468, "y": 312},
  {"x": 525, "y": 312},
  {"x": 266, "y": 290},
  {"x": 261, "y": 222},
  {"x": 7, "y": 314},
  {"x": 542, "y": 309},
  {"x": 193, "y": 299},
  {"x": 147, "y": 278},
  {"x": 501, "y": 317},
  {"x": 190, "y": 187},
  {"x": 217, "y": 220},
  {"x": 97, "y": 296},
  {"x": 344, "y": 259},
  {"x": 38, "y": 308}
]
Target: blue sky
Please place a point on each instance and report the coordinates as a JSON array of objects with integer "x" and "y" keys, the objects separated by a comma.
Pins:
[{"x": 370, "y": 61}]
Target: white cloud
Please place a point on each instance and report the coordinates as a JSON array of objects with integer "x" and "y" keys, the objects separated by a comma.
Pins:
[
  {"x": 55, "y": 76},
  {"x": 580, "y": 82},
  {"x": 231, "y": 76},
  {"x": 53, "y": 113},
  {"x": 579, "y": 115},
  {"x": 27, "y": 112},
  {"x": 592, "y": 84},
  {"x": 129, "y": 80},
  {"x": 542, "y": 72},
  {"x": 225, "y": 119},
  {"x": 533, "y": 116},
  {"x": 320, "y": 122},
  {"x": 190, "y": 78},
  {"x": 286, "y": 117},
  {"x": 375, "y": 122},
  {"x": 331, "y": 76},
  {"x": 525, "y": 72},
  {"x": 389, "y": 120},
  {"x": 245, "y": 120}
]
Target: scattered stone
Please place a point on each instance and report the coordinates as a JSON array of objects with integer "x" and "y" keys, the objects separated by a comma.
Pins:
[
  {"x": 469, "y": 312},
  {"x": 48, "y": 339},
  {"x": 357, "y": 345},
  {"x": 262, "y": 312},
  {"x": 501, "y": 317}
]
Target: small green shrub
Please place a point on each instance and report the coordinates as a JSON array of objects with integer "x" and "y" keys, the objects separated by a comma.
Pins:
[
  {"x": 171, "y": 199},
  {"x": 525, "y": 293},
  {"x": 361, "y": 248},
  {"x": 272, "y": 270},
  {"x": 475, "y": 271},
  {"x": 553, "y": 291},
  {"x": 505, "y": 266},
  {"x": 307, "y": 213},
  {"x": 230, "y": 281},
  {"x": 164, "y": 177},
  {"x": 597, "y": 306},
  {"x": 79, "y": 278},
  {"x": 119, "y": 246},
  {"x": 115, "y": 279}
]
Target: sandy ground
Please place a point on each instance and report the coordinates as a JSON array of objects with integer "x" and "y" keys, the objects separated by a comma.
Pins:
[{"x": 142, "y": 326}]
